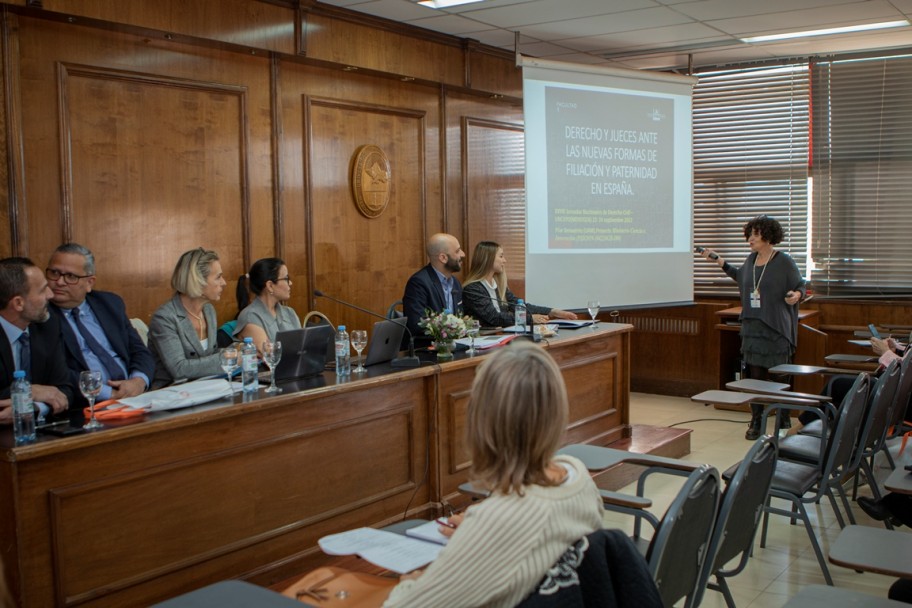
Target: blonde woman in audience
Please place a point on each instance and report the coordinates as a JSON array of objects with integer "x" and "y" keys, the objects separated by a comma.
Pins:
[
  {"x": 486, "y": 297},
  {"x": 540, "y": 503},
  {"x": 182, "y": 333}
]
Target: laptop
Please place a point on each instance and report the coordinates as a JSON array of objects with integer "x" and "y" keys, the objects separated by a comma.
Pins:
[
  {"x": 304, "y": 352},
  {"x": 385, "y": 341}
]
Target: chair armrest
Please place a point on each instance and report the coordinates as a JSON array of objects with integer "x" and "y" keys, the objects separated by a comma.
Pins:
[{"x": 624, "y": 500}]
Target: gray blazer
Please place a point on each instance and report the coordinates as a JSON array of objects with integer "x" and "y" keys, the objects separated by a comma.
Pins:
[{"x": 179, "y": 355}]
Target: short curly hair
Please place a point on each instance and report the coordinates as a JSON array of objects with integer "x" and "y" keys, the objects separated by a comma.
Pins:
[{"x": 768, "y": 228}]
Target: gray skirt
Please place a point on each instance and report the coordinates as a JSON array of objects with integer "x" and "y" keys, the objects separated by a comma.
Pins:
[{"x": 762, "y": 346}]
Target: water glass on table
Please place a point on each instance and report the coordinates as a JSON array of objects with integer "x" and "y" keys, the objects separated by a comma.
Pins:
[
  {"x": 473, "y": 328},
  {"x": 90, "y": 387},
  {"x": 272, "y": 354},
  {"x": 593, "y": 307},
  {"x": 358, "y": 342},
  {"x": 228, "y": 359}
]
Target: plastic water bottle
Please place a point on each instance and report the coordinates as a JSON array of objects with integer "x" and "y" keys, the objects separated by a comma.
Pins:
[
  {"x": 23, "y": 409},
  {"x": 519, "y": 313},
  {"x": 249, "y": 366},
  {"x": 343, "y": 353}
]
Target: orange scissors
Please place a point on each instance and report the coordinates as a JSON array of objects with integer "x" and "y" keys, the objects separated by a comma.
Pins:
[{"x": 113, "y": 410}]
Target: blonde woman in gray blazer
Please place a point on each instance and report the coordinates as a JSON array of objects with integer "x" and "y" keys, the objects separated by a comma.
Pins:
[{"x": 182, "y": 333}]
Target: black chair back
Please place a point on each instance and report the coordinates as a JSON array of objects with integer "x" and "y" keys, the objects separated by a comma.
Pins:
[
  {"x": 739, "y": 514},
  {"x": 841, "y": 447},
  {"x": 679, "y": 546}
]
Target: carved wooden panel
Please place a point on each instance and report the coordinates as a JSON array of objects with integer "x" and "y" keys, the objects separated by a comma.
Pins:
[
  {"x": 495, "y": 207},
  {"x": 172, "y": 152},
  {"x": 351, "y": 254}
]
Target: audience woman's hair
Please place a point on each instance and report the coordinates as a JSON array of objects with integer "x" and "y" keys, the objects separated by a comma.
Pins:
[
  {"x": 481, "y": 263},
  {"x": 192, "y": 272},
  {"x": 768, "y": 228},
  {"x": 262, "y": 271},
  {"x": 516, "y": 418}
]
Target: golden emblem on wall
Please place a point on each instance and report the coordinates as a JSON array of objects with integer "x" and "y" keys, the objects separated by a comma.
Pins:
[{"x": 371, "y": 180}]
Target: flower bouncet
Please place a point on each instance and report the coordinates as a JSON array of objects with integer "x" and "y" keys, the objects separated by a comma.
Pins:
[{"x": 443, "y": 326}]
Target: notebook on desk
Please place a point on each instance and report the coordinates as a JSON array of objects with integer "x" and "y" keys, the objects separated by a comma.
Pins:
[{"x": 304, "y": 352}]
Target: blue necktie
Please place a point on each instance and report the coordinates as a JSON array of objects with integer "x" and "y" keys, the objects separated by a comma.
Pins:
[
  {"x": 25, "y": 355},
  {"x": 114, "y": 370}
]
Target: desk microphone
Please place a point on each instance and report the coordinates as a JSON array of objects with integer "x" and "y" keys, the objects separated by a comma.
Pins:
[{"x": 399, "y": 362}]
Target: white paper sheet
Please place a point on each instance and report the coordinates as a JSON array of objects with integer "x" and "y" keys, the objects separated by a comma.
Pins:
[{"x": 387, "y": 550}]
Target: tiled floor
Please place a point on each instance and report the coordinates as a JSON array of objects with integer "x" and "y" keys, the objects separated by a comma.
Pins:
[{"x": 780, "y": 570}]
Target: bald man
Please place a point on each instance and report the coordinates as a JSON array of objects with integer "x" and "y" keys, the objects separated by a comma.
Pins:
[{"x": 434, "y": 288}]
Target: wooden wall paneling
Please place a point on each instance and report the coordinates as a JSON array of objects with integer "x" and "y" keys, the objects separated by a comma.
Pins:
[
  {"x": 674, "y": 350},
  {"x": 494, "y": 71},
  {"x": 473, "y": 123},
  {"x": 259, "y": 24},
  {"x": 408, "y": 52},
  {"x": 170, "y": 154},
  {"x": 13, "y": 213},
  {"x": 350, "y": 251},
  {"x": 365, "y": 261},
  {"x": 495, "y": 196}
]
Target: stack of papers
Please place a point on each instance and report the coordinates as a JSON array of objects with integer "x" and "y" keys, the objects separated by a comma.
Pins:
[
  {"x": 180, "y": 395},
  {"x": 384, "y": 549}
]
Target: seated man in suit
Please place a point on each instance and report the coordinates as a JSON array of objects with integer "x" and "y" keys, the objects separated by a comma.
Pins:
[
  {"x": 30, "y": 340},
  {"x": 95, "y": 328},
  {"x": 434, "y": 288}
]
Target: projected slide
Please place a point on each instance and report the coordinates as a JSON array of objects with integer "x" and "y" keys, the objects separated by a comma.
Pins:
[
  {"x": 609, "y": 182},
  {"x": 610, "y": 169}
]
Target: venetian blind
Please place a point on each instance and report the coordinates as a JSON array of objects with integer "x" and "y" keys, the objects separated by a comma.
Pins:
[
  {"x": 750, "y": 146},
  {"x": 862, "y": 170}
]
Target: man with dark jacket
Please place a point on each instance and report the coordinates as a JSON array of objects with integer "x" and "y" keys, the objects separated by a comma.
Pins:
[{"x": 95, "y": 328}]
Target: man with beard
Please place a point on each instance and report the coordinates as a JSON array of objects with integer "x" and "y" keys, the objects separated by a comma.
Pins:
[
  {"x": 32, "y": 340},
  {"x": 434, "y": 288}
]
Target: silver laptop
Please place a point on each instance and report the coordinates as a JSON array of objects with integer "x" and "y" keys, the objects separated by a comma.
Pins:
[{"x": 385, "y": 341}]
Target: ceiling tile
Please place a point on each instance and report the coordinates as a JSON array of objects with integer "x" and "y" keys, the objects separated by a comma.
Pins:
[
  {"x": 543, "y": 11},
  {"x": 835, "y": 16},
  {"x": 648, "y": 19}
]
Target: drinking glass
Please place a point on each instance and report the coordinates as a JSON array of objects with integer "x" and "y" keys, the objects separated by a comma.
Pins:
[
  {"x": 359, "y": 341},
  {"x": 272, "y": 354},
  {"x": 228, "y": 359},
  {"x": 593, "y": 307},
  {"x": 473, "y": 328},
  {"x": 90, "y": 387}
]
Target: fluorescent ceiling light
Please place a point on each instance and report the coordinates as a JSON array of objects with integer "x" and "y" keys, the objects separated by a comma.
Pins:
[
  {"x": 826, "y": 32},
  {"x": 445, "y": 3}
]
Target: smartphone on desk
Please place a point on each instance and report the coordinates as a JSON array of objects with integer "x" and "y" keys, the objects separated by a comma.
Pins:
[{"x": 63, "y": 428}]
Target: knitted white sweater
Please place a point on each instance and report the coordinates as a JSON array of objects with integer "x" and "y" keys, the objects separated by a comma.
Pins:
[{"x": 506, "y": 544}]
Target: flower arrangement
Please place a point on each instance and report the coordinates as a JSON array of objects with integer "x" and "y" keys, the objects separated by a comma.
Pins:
[{"x": 443, "y": 326}]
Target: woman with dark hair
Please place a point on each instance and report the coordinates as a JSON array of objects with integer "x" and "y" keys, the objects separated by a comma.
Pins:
[
  {"x": 486, "y": 297},
  {"x": 771, "y": 287},
  {"x": 267, "y": 314}
]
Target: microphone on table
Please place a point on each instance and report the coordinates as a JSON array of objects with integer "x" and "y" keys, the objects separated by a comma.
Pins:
[{"x": 399, "y": 362}]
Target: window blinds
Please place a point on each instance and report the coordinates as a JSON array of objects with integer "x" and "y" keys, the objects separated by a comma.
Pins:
[
  {"x": 750, "y": 158},
  {"x": 862, "y": 176}
]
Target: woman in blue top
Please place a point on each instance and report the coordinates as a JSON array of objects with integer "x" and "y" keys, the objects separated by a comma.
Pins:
[{"x": 771, "y": 287}]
